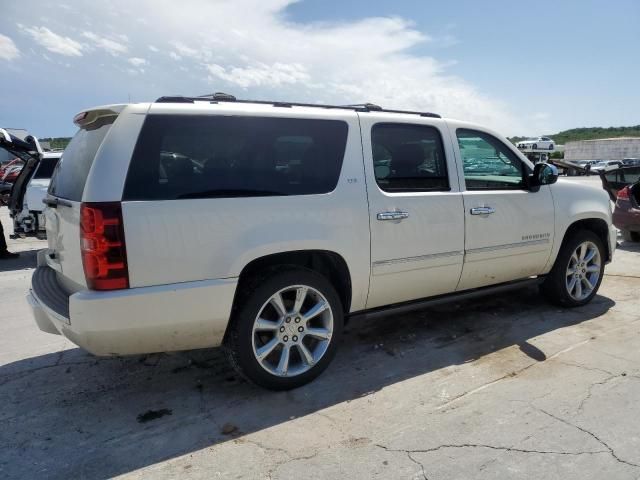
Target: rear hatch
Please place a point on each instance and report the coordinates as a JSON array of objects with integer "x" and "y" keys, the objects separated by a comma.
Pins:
[
  {"x": 615, "y": 180},
  {"x": 65, "y": 192}
]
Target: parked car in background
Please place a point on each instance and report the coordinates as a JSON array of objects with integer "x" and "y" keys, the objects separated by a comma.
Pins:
[
  {"x": 10, "y": 172},
  {"x": 631, "y": 162},
  {"x": 538, "y": 143},
  {"x": 26, "y": 204},
  {"x": 198, "y": 222},
  {"x": 626, "y": 214},
  {"x": 605, "y": 166}
]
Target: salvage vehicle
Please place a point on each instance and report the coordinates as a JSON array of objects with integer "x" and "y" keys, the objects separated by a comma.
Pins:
[
  {"x": 605, "y": 166},
  {"x": 25, "y": 204},
  {"x": 623, "y": 187},
  {"x": 538, "y": 143},
  {"x": 195, "y": 222}
]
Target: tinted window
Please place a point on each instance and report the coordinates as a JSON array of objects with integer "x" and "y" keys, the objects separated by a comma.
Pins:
[
  {"x": 46, "y": 167},
  {"x": 408, "y": 158},
  {"x": 488, "y": 163},
  {"x": 180, "y": 156},
  {"x": 73, "y": 168}
]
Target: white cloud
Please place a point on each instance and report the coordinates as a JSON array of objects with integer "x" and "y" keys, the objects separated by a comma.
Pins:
[
  {"x": 109, "y": 45},
  {"x": 137, "y": 61},
  {"x": 260, "y": 74},
  {"x": 383, "y": 60},
  {"x": 8, "y": 49},
  {"x": 53, "y": 42}
]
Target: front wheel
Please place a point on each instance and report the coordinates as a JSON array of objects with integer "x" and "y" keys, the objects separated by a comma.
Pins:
[
  {"x": 551, "y": 147},
  {"x": 534, "y": 146},
  {"x": 286, "y": 329},
  {"x": 577, "y": 273}
]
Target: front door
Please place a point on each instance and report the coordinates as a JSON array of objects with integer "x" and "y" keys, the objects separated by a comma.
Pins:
[
  {"x": 415, "y": 208},
  {"x": 509, "y": 229}
]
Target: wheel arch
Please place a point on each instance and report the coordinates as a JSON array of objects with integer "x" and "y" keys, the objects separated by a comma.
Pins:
[
  {"x": 598, "y": 226},
  {"x": 328, "y": 263}
]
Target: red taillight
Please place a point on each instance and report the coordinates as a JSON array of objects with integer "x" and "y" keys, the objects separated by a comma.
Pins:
[
  {"x": 624, "y": 193},
  {"x": 104, "y": 254}
]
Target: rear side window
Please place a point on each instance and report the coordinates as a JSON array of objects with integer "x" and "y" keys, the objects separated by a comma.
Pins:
[
  {"x": 73, "y": 168},
  {"x": 46, "y": 168},
  {"x": 181, "y": 157},
  {"x": 408, "y": 158}
]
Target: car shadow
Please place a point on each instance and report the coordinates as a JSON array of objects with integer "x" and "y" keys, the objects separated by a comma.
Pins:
[
  {"x": 628, "y": 246},
  {"x": 27, "y": 259},
  {"x": 72, "y": 415}
]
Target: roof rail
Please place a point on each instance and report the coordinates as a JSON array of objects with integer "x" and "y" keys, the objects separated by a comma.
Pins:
[{"x": 225, "y": 97}]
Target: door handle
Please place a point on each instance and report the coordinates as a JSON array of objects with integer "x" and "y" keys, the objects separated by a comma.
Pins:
[
  {"x": 382, "y": 216},
  {"x": 482, "y": 210}
]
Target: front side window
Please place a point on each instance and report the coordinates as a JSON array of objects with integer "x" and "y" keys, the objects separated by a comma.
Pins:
[
  {"x": 488, "y": 163},
  {"x": 408, "y": 158},
  {"x": 182, "y": 157}
]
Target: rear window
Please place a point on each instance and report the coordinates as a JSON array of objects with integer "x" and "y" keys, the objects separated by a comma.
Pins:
[
  {"x": 73, "y": 168},
  {"x": 181, "y": 157},
  {"x": 46, "y": 168}
]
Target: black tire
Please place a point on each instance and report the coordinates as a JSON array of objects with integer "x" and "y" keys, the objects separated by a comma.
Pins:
[
  {"x": 629, "y": 236},
  {"x": 534, "y": 146},
  {"x": 249, "y": 302},
  {"x": 551, "y": 146},
  {"x": 554, "y": 287}
]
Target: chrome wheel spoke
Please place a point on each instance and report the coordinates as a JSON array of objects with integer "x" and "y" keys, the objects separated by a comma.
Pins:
[
  {"x": 572, "y": 284},
  {"x": 591, "y": 253},
  {"x": 283, "y": 364},
  {"x": 579, "y": 290},
  {"x": 316, "y": 310},
  {"x": 301, "y": 295},
  {"x": 264, "y": 351},
  {"x": 587, "y": 283},
  {"x": 277, "y": 303},
  {"x": 305, "y": 354},
  {"x": 583, "y": 251},
  {"x": 321, "y": 333},
  {"x": 593, "y": 268},
  {"x": 571, "y": 271},
  {"x": 265, "y": 325}
]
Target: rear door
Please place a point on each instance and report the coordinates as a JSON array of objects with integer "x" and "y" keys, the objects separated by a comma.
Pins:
[
  {"x": 65, "y": 197},
  {"x": 416, "y": 214}
]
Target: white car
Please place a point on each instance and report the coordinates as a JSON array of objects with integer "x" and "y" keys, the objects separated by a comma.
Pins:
[
  {"x": 538, "y": 143},
  {"x": 26, "y": 204},
  {"x": 268, "y": 224},
  {"x": 605, "y": 166}
]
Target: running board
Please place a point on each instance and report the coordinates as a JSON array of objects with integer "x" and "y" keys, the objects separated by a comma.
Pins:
[{"x": 400, "y": 308}]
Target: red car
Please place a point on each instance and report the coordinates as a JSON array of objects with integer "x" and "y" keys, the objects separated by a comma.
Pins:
[
  {"x": 623, "y": 186},
  {"x": 9, "y": 172}
]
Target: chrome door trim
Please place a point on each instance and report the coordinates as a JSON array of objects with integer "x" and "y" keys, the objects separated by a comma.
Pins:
[
  {"x": 509, "y": 245},
  {"x": 419, "y": 258}
]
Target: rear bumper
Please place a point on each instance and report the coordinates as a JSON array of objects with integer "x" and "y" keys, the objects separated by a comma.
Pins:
[
  {"x": 627, "y": 219},
  {"x": 163, "y": 318}
]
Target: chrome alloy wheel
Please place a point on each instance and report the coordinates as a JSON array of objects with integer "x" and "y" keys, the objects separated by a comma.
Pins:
[
  {"x": 292, "y": 331},
  {"x": 583, "y": 271}
]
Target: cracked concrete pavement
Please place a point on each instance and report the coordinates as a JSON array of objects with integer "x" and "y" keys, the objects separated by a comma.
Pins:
[{"x": 503, "y": 387}]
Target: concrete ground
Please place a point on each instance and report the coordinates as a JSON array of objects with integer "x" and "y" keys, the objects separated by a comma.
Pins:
[{"x": 504, "y": 387}]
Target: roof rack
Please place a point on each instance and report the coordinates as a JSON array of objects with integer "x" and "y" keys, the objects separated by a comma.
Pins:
[{"x": 225, "y": 97}]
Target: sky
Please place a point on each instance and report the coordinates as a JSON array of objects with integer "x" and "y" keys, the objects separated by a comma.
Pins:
[{"x": 523, "y": 68}]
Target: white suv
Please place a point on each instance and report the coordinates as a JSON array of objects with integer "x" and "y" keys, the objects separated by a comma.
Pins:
[{"x": 262, "y": 226}]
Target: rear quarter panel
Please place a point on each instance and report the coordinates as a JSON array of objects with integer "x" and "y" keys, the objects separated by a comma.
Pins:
[{"x": 176, "y": 241}]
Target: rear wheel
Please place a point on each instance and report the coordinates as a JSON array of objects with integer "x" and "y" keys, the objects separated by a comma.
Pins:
[
  {"x": 551, "y": 146},
  {"x": 576, "y": 276},
  {"x": 629, "y": 236},
  {"x": 534, "y": 146},
  {"x": 286, "y": 329}
]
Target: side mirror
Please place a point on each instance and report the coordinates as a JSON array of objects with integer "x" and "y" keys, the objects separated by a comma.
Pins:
[{"x": 543, "y": 174}]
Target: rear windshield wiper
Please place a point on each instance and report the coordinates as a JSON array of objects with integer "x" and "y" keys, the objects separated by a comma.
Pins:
[{"x": 231, "y": 193}]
